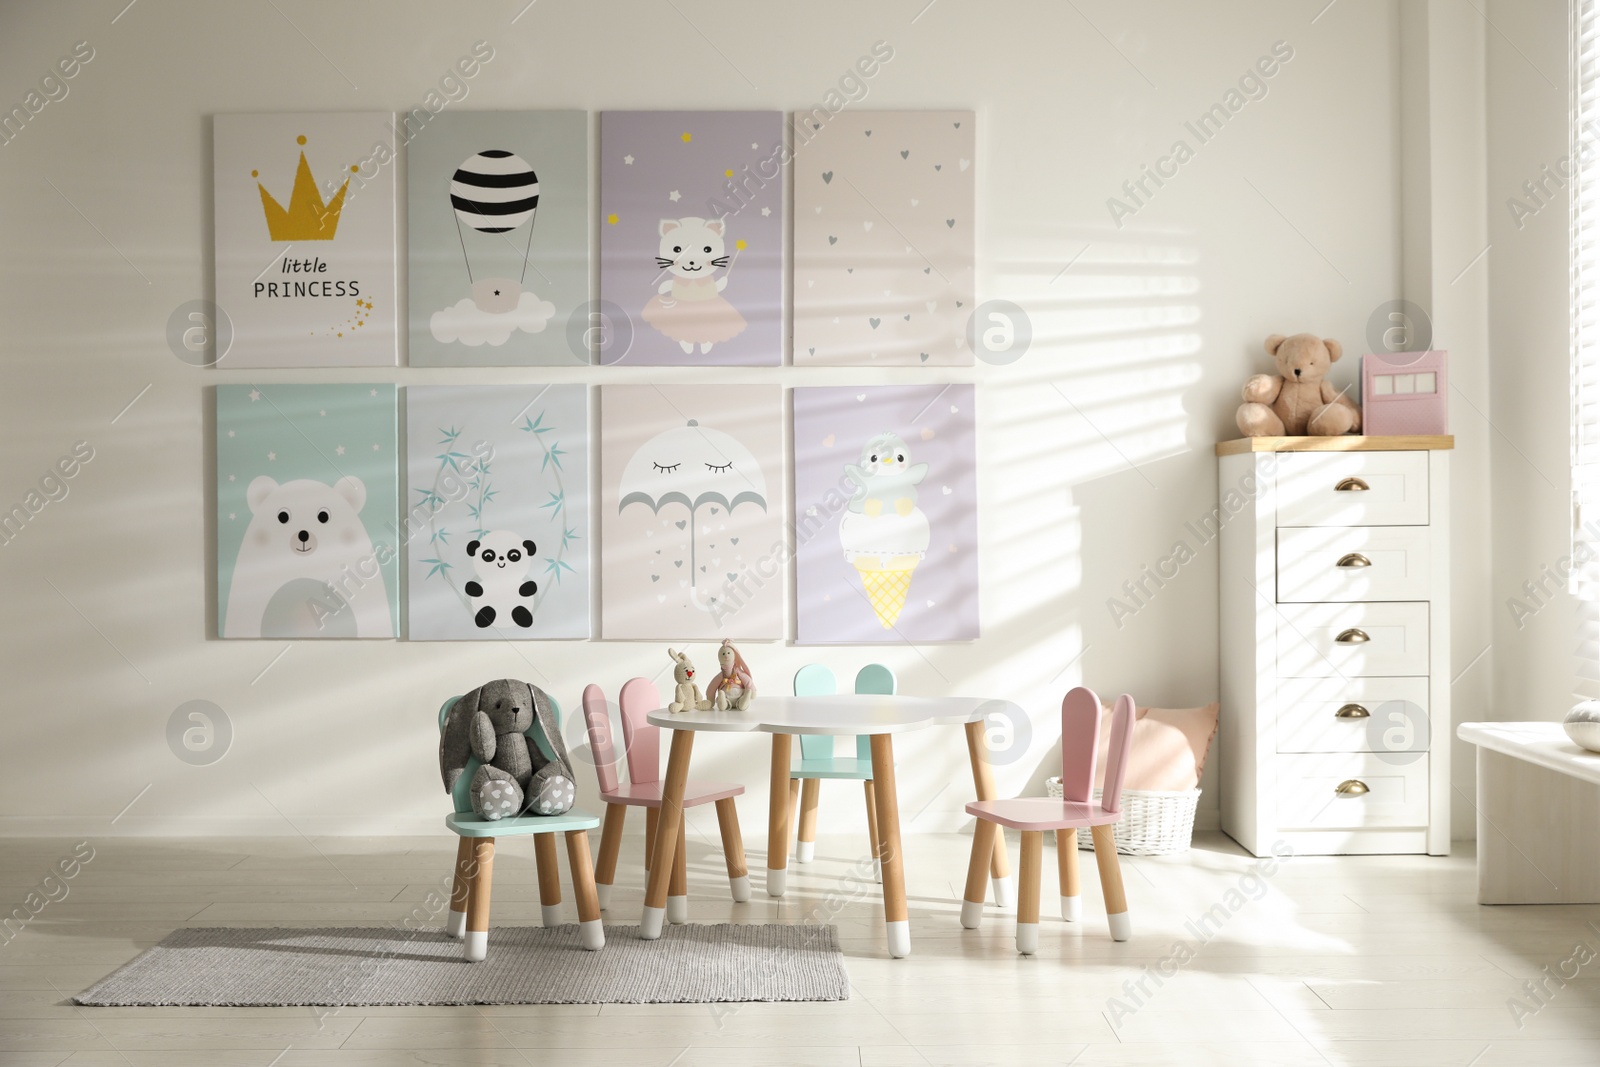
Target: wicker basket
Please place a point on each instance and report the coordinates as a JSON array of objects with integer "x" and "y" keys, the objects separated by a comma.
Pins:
[{"x": 1154, "y": 823}]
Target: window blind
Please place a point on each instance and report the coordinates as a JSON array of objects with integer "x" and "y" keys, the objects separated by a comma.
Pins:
[{"x": 1584, "y": 162}]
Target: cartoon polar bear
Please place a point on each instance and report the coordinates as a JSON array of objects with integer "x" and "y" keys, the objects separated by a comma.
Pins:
[
  {"x": 502, "y": 560},
  {"x": 303, "y": 534}
]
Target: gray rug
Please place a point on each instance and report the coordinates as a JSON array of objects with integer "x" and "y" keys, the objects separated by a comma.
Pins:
[{"x": 335, "y": 967}]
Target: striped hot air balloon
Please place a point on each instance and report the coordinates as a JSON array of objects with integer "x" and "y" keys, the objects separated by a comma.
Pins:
[{"x": 494, "y": 191}]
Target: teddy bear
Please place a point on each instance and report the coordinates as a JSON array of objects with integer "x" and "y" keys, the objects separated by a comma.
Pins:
[
  {"x": 686, "y": 697},
  {"x": 516, "y": 777},
  {"x": 502, "y": 560},
  {"x": 1298, "y": 401}
]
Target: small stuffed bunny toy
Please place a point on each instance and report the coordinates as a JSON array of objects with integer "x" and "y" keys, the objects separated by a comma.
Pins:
[
  {"x": 491, "y": 723},
  {"x": 686, "y": 697},
  {"x": 732, "y": 688}
]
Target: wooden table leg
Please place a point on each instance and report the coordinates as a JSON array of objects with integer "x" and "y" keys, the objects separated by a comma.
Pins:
[
  {"x": 605, "y": 869},
  {"x": 456, "y": 924},
  {"x": 733, "y": 849},
  {"x": 872, "y": 830},
  {"x": 983, "y": 784},
  {"x": 583, "y": 889},
  {"x": 477, "y": 946},
  {"x": 807, "y": 834},
  {"x": 778, "y": 819},
  {"x": 668, "y": 824},
  {"x": 544, "y": 851},
  {"x": 896, "y": 917},
  {"x": 1071, "y": 885},
  {"x": 678, "y": 886}
]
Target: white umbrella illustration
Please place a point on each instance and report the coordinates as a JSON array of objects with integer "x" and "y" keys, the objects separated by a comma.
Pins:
[{"x": 694, "y": 466}]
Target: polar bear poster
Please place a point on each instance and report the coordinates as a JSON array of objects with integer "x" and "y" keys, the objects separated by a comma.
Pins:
[{"x": 307, "y": 502}]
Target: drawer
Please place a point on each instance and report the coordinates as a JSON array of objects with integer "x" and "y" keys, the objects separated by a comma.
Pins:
[
  {"x": 1325, "y": 564},
  {"x": 1308, "y": 796},
  {"x": 1395, "y": 719},
  {"x": 1395, "y": 493},
  {"x": 1310, "y": 646}
]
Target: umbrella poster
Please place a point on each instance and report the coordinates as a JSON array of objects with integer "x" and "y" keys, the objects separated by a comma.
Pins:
[
  {"x": 883, "y": 240},
  {"x": 691, "y": 236},
  {"x": 497, "y": 512},
  {"x": 691, "y": 505},
  {"x": 498, "y": 239},
  {"x": 885, "y": 514},
  {"x": 305, "y": 239},
  {"x": 307, "y": 480}
]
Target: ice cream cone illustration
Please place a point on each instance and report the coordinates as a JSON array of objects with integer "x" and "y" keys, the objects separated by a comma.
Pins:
[{"x": 884, "y": 534}]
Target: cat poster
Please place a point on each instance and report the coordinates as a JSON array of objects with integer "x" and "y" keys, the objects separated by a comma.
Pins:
[
  {"x": 307, "y": 486},
  {"x": 497, "y": 512},
  {"x": 498, "y": 239},
  {"x": 885, "y": 514},
  {"x": 691, "y": 505},
  {"x": 692, "y": 237},
  {"x": 883, "y": 240},
  {"x": 305, "y": 239}
]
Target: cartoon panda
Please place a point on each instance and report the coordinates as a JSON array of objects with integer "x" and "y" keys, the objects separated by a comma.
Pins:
[{"x": 502, "y": 560}]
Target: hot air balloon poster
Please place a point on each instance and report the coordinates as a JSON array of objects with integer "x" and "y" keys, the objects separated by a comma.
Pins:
[
  {"x": 691, "y": 237},
  {"x": 498, "y": 209},
  {"x": 885, "y": 514},
  {"x": 691, "y": 505},
  {"x": 305, "y": 239}
]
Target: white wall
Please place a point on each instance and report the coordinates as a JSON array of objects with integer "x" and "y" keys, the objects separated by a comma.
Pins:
[{"x": 1095, "y": 447}]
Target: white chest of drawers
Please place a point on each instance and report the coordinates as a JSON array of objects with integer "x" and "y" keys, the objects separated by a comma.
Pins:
[{"x": 1335, "y": 643}]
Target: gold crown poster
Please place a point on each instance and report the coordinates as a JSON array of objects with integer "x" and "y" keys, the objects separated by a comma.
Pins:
[{"x": 305, "y": 232}]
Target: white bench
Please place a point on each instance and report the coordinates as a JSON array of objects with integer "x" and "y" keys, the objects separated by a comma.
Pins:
[{"x": 1538, "y": 814}]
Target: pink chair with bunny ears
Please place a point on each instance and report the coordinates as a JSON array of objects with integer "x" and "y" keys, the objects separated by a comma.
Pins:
[{"x": 1080, "y": 740}]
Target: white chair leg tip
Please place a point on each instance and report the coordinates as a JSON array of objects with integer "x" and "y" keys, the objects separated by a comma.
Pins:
[
  {"x": 677, "y": 910},
  {"x": 777, "y": 882},
  {"x": 1027, "y": 938},
  {"x": 1071, "y": 909},
  {"x": 550, "y": 915},
  {"x": 651, "y": 922},
  {"x": 1005, "y": 893},
  {"x": 593, "y": 935},
  {"x": 1121, "y": 926},
  {"x": 604, "y": 893},
  {"x": 899, "y": 938},
  {"x": 455, "y": 924},
  {"x": 740, "y": 887},
  {"x": 477, "y": 946},
  {"x": 806, "y": 851},
  {"x": 971, "y": 914}
]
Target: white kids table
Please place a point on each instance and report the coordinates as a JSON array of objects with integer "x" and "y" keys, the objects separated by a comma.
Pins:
[{"x": 880, "y": 717}]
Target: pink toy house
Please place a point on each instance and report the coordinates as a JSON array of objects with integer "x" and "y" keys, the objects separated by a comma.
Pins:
[{"x": 1405, "y": 393}]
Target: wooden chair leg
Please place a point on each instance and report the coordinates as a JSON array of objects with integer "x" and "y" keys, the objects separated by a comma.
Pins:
[
  {"x": 872, "y": 830},
  {"x": 733, "y": 849},
  {"x": 477, "y": 943},
  {"x": 794, "y": 814},
  {"x": 652, "y": 818},
  {"x": 1067, "y": 866},
  {"x": 455, "y": 924},
  {"x": 544, "y": 851},
  {"x": 678, "y": 888},
  {"x": 807, "y": 848},
  {"x": 978, "y": 874},
  {"x": 605, "y": 869},
  {"x": 583, "y": 888},
  {"x": 1028, "y": 892},
  {"x": 1105, "y": 854}
]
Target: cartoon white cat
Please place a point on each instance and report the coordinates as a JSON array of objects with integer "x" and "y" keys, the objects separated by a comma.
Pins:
[{"x": 689, "y": 307}]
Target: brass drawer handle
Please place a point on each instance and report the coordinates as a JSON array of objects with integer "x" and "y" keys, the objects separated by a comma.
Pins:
[
  {"x": 1352, "y": 636},
  {"x": 1351, "y": 787},
  {"x": 1352, "y": 711},
  {"x": 1352, "y": 485},
  {"x": 1353, "y": 559}
]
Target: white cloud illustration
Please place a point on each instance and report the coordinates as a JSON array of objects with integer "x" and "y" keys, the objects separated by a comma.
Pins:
[{"x": 463, "y": 321}]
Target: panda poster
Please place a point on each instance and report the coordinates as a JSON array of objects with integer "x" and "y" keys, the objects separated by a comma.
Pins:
[
  {"x": 498, "y": 239},
  {"x": 885, "y": 514},
  {"x": 307, "y": 511},
  {"x": 497, "y": 512},
  {"x": 305, "y": 239},
  {"x": 692, "y": 237},
  {"x": 691, "y": 505},
  {"x": 884, "y": 256}
]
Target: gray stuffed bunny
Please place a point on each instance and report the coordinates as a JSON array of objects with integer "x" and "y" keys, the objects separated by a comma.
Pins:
[{"x": 491, "y": 723}]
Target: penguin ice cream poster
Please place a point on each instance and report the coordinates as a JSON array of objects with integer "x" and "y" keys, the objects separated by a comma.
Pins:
[
  {"x": 307, "y": 483},
  {"x": 497, "y": 512},
  {"x": 692, "y": 237},
  {"x": 305, "y": 239},
  {"x": 692, "y": 540},
  {"x": 885, "y": 514},
  {"x": 498, "y": 239}
]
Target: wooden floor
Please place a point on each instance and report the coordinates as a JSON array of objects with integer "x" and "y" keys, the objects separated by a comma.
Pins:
[{"x": 1369, "y": 961}]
